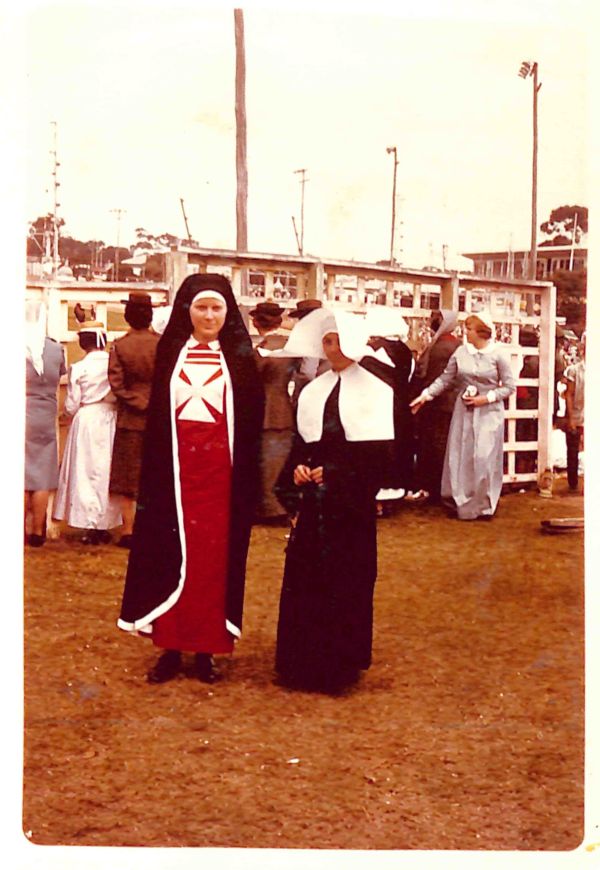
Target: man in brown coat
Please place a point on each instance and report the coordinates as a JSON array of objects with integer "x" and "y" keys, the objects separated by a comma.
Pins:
[
  {"x": 130, "y": 372},
  {"x": 278, "y": 423},
  {"x": 433, "y": 426}
]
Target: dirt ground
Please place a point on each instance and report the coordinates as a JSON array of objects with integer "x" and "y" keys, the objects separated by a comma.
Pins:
[{"x": 466, "y": 733}]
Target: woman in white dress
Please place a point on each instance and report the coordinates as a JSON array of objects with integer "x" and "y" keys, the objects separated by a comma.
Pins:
[
  {"x": 473, "y": 464},
  {"x": 83, "y": 498}
]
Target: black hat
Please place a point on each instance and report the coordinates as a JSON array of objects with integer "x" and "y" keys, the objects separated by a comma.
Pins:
[
  {"x": 138, "y": 297},
  {"x": 305, "y": 306},
  {"x": 267, "y": 309}
]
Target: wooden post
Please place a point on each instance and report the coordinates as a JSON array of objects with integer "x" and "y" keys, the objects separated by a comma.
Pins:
[
  {"x": 416, "y": 296},
  {"x": 176, "y": 263},
  {"x": 315, "y": 279},
  {"x": 389, "y": 293},
  {"x": 241, "y": 155},
  {"x": 449, "y": 292},
  {"x": 546, "y": 385},
  {"x": 268, "y": 285},
  {"x": 360, "y": 290},
  {"x": 102, "y": 312},
  {"x": 330, "y": 288},
  {"x": 300, "y": 285},
  {"x": 236, "y": 282}
]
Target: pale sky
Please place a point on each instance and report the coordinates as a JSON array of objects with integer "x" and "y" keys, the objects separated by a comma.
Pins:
[{"x": 143, "y": 97}]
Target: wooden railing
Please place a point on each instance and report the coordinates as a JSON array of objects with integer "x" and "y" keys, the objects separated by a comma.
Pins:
[{"x": 358, "y": 286}]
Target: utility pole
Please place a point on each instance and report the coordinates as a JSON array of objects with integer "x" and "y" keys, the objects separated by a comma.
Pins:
[
  {"x": 530, "y": 68},
  {"x": 296, "y": 234},
  {"x": 303, "y": 181},
  {"x": 241, "y": 152},
  {"x": 393, "y": 150},
  {"x": 55, "y": 230},
  {"x": 118, "y": 212},
  {"x": 185, "y": 220}
]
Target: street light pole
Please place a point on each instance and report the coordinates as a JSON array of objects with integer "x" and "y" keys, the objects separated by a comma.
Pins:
[
  {"x": 303, "y": 181},
  {"x": 118, "y": 212},
  {"x": 55, "y": 228},
  {"x": 395, "y": 153},
  {"x": 530, "y": 68}
]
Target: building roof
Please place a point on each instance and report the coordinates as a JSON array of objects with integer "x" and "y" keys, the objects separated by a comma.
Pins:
[{"x": 542, "y": 249}]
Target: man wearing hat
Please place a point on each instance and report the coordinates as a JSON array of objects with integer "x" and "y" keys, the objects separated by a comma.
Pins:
[
  {"x": 304, "y": 307},
  {"x": 278, "y": 422},
  {"x": 130, "y": 371}
]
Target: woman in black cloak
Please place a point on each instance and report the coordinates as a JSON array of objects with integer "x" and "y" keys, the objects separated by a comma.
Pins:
[
  {"x": 185, "y": 579},
  {"x": 341, "y": 455}
]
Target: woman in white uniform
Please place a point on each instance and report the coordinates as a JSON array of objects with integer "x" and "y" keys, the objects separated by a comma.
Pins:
[{"x": 83, "y": 499}]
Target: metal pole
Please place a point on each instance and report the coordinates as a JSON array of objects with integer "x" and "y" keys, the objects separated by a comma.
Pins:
[
  {"x": 533, "y": 254},
  {"x": 303, "y": 181},
  {"x": 297, "y": 236},
  {"x": 185, "y": 220},
  {"x": 118, "y": 212},
  {"x": 55, "y": 257},
  {"x": 395, "y": 152}
]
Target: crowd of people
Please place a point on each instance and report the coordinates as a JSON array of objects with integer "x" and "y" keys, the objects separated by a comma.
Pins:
[{"x": 187, "y": 434}]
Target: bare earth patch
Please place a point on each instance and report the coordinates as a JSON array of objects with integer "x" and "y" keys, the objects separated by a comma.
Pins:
[{"x": 466, "y": 733}]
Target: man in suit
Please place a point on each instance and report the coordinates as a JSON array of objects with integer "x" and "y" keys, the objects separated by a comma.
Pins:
[
  {"x": 130, "y": 372},
  {"x": 278, "y": 423},
  {"x": 432, "y": 427}
]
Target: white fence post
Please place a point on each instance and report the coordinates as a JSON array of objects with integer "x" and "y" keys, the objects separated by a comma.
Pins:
[{"x": 546, "y": 377}]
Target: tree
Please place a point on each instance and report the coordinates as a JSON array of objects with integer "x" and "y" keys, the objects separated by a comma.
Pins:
[
  {"x": 41, "y": 229},
  {"x": 563, "y": 221},
  {"x": 571, "y": 290}
]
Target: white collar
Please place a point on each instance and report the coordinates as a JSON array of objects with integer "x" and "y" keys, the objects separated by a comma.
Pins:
[
  {"x": 366, "y": 405},
  {"x": 490, "y": 346},
  {"x": 213, "y": 345}
]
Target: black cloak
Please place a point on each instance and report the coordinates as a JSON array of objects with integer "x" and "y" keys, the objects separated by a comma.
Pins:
[{"x": 155, "y": 559}]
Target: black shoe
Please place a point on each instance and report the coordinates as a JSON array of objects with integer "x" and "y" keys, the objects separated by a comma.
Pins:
[
  {"x": 125, "y": 541},
  {"x": 204, "y": 668},
  {"x": 36, "y": 540},
  {"x": 167, "y": 667},
  {"x": 90, "y": 537},
  {"x": 104, "y": 537}
]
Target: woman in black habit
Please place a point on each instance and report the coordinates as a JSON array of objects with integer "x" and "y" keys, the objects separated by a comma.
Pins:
[
  {"x": 341, "y": 455},
  {"x": 199, "y": 480}
]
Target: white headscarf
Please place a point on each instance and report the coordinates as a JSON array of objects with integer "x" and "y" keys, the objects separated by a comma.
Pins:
[
  {"x": 306, "y": 338},
  {"x": 386, "y": 322},
  {"x": 486, "y": 318},
  {"x": 366, "y": 402},
  {"x": 209, "y": 294},
  {"x": 448, "y": 324},
  {"x": 35, "y": 333}
]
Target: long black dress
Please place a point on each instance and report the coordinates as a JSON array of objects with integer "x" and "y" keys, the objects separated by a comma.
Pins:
[
  {"x": 401, "y": 470},
  {"x": 325, "y": 624}
]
